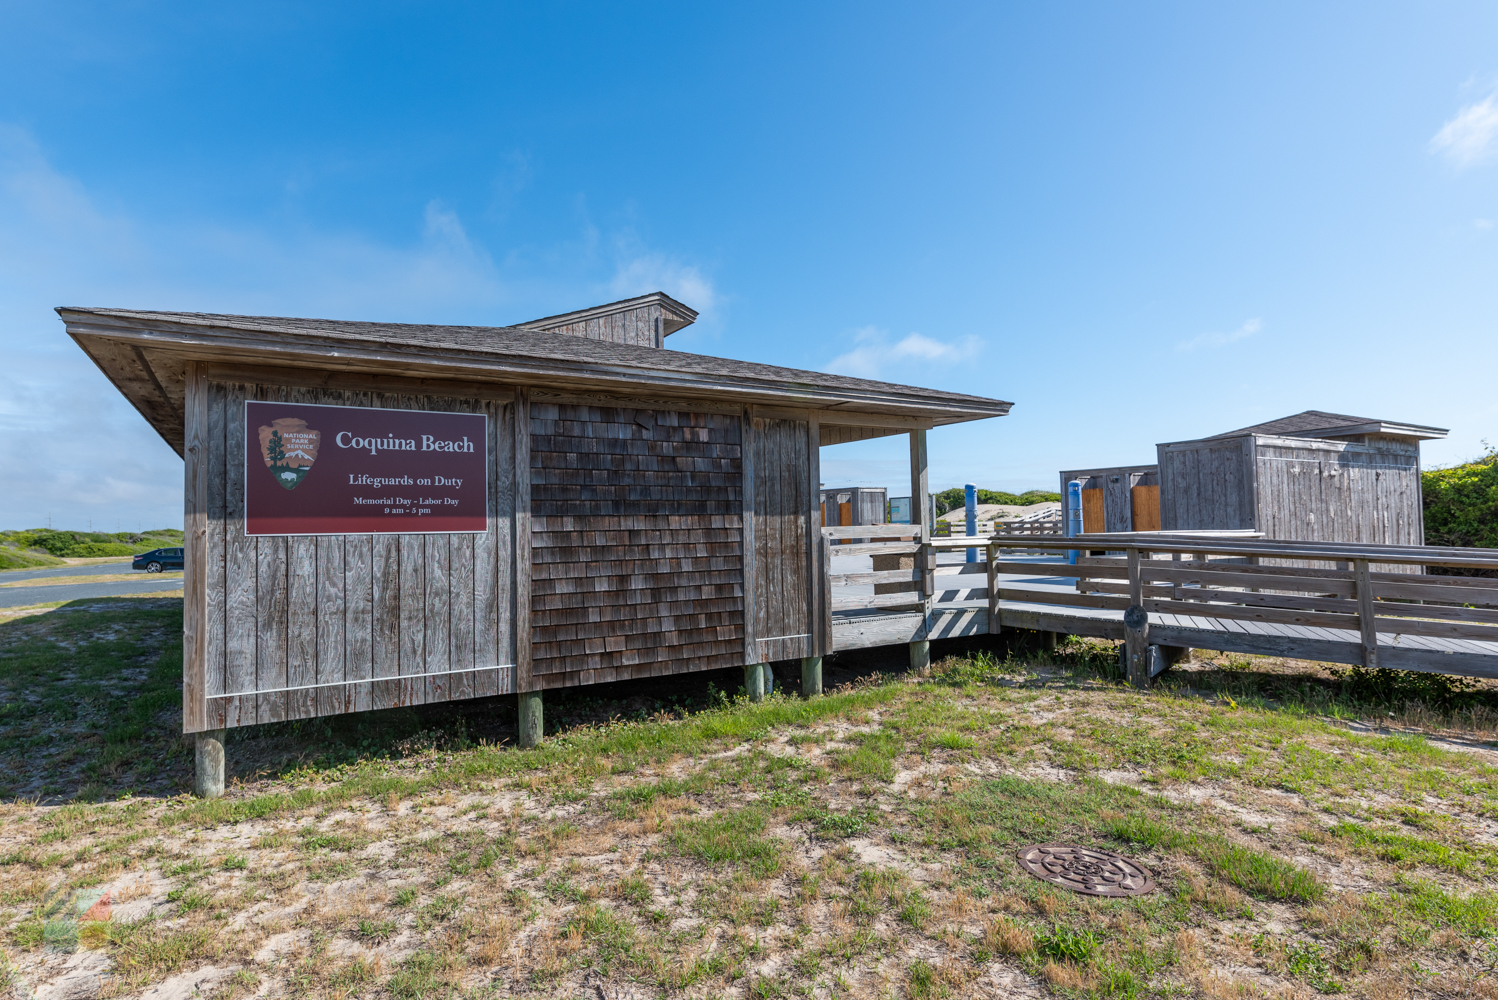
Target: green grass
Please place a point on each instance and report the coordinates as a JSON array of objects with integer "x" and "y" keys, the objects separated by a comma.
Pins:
[
  {"x": 610, "y": 936},
  {"x": 731, "y": 836},
  {"x": 147, "y": 948},
  {"x": 872, "y": 757},
  {"x": 1408, "y": 850},
  {"x": 96, "y": 705},
  {"x": 1257, "y": 872},
  {"x": 1067, "y": 945},
  {"x": 1472, "y": 913}
]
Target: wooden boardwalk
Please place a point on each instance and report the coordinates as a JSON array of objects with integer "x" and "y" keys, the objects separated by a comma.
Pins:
[{"x": 960, "y": 606}]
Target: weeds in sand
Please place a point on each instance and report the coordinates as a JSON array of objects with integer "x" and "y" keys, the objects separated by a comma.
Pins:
[
  {"x": 1067, "y": 944},
  {"x": 1409, "y": 850},
  {"x": 733, "y": 836}
]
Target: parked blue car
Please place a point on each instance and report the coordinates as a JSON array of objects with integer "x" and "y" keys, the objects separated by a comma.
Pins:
[{"x": 157, "y": 560}]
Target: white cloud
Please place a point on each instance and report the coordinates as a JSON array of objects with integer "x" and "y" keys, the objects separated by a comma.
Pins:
[
  {"x": 1472, "y": 136},
  {"x": 876, "y": 352},
  {"x": 652, "y": 272},
  {"x": 1482, "y": 225},
  {"x": 1248, "y": 329}
]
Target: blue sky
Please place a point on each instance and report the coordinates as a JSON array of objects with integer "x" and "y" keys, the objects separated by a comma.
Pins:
[{"x": 1139, "y": 223}]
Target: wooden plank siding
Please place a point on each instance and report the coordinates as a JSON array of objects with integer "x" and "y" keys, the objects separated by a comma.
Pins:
[
  {"x": 1207, "y": 485},
  {"x": 785, "y": 604},
  {"x": 642, "y": 326},
  {"x": 636, "y": 542},
  {"x": 1340, "y": 491},
  {"x": 307, "y": 625}
]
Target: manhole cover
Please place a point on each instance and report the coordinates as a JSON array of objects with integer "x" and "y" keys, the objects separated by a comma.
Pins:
[{"x": 1081, "y": 869}]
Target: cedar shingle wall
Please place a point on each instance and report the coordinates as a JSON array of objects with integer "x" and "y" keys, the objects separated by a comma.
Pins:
[{"x": 636, "y": 543}]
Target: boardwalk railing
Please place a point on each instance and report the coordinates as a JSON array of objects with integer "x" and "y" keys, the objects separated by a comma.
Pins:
[
  {"x": 901, "y": 577},
  {"x": 1369, "y": 604}
]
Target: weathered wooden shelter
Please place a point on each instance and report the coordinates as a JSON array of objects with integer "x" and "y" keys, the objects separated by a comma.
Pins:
[
  {"x": 1314, "y": 476},
  {"x": 383, "y": 514}
]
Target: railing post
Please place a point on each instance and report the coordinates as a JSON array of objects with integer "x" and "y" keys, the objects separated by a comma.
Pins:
[
  {"x": 1136, "y": 627},
  {"x": 995, "y": 626},
  {"x": 1367, "y": 622},
  {"x": 925, "y": 559}
]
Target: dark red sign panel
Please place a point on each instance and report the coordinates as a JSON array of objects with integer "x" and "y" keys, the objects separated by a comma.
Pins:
[{"x": 353, "y": 470}]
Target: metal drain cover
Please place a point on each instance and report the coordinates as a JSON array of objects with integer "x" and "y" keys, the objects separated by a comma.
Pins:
[{"x": 1081, "y": 869}]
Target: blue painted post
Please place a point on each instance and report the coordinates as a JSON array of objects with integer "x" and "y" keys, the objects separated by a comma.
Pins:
[
  {"x": 1073, "y": 516},
  {"x": 970, "y": 500}
]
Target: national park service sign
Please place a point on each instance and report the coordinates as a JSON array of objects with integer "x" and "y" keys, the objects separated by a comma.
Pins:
[
  {"x": 289, "y": 448},
  {"x": 377, "y": 471}
]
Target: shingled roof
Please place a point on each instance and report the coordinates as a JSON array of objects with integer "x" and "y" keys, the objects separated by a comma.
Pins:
[
  {"x": 145, "y": 353},
  {"x": 1320, "y": 424}
]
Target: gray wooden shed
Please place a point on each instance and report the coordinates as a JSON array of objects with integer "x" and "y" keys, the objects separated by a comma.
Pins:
[
  {"x": 851, "y": 505},
  {"x": 1125, "y": 498},
  {"x": 642, "y": 512},
  {"x": 1313, "y": 476}
]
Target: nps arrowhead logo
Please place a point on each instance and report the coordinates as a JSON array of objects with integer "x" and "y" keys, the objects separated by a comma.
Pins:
[{"x": 289, "y": 449}]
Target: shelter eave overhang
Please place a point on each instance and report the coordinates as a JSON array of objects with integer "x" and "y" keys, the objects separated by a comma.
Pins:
[
  {"x": 1330, "y": 435},
  {"x": 1384, "y": 428},
  {"x": 148, "y": 364}
]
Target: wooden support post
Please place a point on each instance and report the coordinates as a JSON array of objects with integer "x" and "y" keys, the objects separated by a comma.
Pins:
[
  {"x": 1048, "y": 641},
  {"x": 531, "y": 726},
  {"x": 195, "y": 550},
  {"x": 1136, "y": 628},
  {"x": 925, "y": 559},
  {"x": 753, "y": 606},
  {"x": 523, "y": 556},
  {"x": 208, "y": 764},
  {"x": 754, "y": 680},
  {"x": 1366, "y": 615},
  {"x": 811, "y": 676},
  {"x": 816, "y": 569}
]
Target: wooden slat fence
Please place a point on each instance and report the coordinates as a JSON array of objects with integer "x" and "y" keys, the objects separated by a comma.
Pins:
[
  {"x": 1384, "y": 595},
  {"x": 907, "y": 588}
]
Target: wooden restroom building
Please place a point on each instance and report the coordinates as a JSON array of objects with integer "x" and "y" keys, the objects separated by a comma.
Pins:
[
  {"x": 1312, "y": 476},
  {"x": 385, "y": 514}
]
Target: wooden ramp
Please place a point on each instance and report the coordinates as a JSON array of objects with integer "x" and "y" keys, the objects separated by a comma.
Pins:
[{"x": 1232, "y": 595}]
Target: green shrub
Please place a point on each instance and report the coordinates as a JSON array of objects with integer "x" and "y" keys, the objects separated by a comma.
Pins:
[
  {"x": 953, "y": 498},
  {"x": 1461, "y": 503},
  {"x": 79, "y": 543},
  {"x": 92, "y": 550}
]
